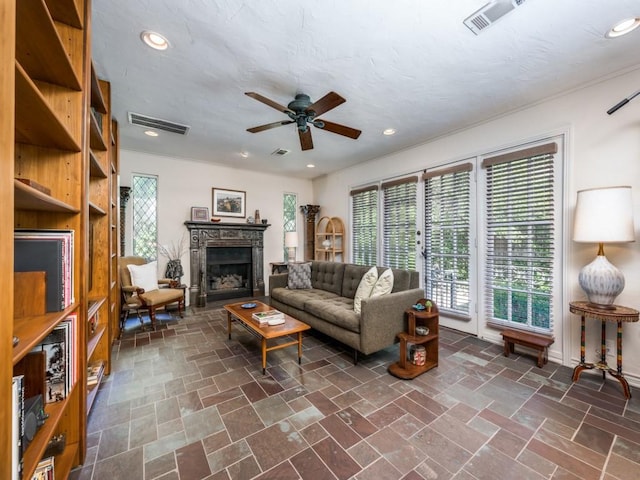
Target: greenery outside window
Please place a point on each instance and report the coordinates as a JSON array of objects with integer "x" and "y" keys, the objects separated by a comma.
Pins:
[
  {"x": 399, "y": 205},
  {"x": 144, "y": 194},
  {"x": 364, "y": 225},
  {"x": 521, "y": 232},
  {"x": 289, "y": 211},
  {"x": 447, "y": 250}
]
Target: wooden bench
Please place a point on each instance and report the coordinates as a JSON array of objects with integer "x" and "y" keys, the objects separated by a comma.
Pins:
[{"x": 531, "y": 340}]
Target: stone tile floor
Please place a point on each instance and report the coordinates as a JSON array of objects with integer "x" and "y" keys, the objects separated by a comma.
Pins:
[{"x": 186, "y": 403}]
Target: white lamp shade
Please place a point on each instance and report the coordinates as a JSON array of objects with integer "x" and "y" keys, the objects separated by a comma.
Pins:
[
  {"x": 604, "y": 215},
  {"x": 291, "y": 239}
]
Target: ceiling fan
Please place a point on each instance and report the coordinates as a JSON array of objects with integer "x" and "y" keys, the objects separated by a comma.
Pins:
[{"x": 303, "y": 112}]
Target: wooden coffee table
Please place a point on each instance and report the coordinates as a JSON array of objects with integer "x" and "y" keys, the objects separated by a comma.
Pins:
[{"x": 289, "y": 327}]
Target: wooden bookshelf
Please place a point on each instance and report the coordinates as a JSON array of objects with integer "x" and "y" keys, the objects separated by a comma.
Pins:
[
  {"x": 56, "y": 131},
  {"x": 329, "y": 239}
]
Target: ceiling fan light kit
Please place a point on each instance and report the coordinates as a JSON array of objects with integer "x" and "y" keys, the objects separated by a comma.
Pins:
[{"x": 303, "y": 112}]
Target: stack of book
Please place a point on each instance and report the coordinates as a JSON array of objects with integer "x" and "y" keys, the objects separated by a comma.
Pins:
[
  {"x": 50, "y": 251},
  {"x": 94, "y": 372},
  {"x": 44, "y": 470},
  {"x": 60, "y": 366},
  {"x": 270, "y": 317}
]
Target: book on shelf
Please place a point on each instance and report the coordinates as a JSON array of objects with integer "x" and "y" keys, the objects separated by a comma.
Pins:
[
  {"x": 60, "y": 372},
  {"x": 94, "y": 371},
  {"x": 50, "y": 251},
  {"x": 45, "y": 469},
  {"x": 17, "y": 426},
  {"x": 263, "y": 318}
]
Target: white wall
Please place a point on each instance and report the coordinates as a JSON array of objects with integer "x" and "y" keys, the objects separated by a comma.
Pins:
[
  {"x": 602, "y": 150},
  {"x": 183, "y": 184}
]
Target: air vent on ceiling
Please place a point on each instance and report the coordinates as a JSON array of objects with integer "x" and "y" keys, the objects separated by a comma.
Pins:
[
  {"x": 490, "y": 13},
  {"x": 280, "y": 152},
  {"x": 157, "y": 123}
]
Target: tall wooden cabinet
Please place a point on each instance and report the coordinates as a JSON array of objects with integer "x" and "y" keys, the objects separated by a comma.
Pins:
[
  {"x": 329, "y": 239},
  {"x": 56, "y": 130}
]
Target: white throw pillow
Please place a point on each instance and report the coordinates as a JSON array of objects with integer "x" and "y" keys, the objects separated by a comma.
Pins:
[
  {"x": 384, "y": 285},
  {"x": 144, "y": 276},
  {"x": 364, "y": 288}
]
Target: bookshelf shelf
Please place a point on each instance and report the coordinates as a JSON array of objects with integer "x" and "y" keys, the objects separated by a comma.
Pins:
[
  {"x": 28, "y": 198},
  {"x": 36, "y": 123},
  {"x": 97, "y": 100},
  {"x": 65, "y": 11},
  {"x": 95, "y": 339},
  {"x": 31, "y": 330},
  {"x": 39, "y": 47},
  {"x": 64, "y": 461},
  {"x": 95, "y": 169},
  {"x": 36, "y": 448},
  {"x": 96, "y": 210},
  {"x": 97, "y": 142}
]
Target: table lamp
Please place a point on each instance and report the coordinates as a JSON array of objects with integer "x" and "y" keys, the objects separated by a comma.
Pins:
[
  {"x": 291, "y": 242},
  {"x": 603, "y": 215}
]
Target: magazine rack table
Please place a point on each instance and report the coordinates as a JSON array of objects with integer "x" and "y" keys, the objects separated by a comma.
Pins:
[{"x": 291, "y": 326}]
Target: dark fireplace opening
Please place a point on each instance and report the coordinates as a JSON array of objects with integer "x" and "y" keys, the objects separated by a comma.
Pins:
[{"x": 228, "y": 273}]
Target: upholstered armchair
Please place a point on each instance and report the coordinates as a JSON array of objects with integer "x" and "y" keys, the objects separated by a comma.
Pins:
[{"x": 143, "y": 290}]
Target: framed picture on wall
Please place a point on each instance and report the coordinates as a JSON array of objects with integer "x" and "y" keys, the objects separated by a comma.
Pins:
[
  {"x": 229, "y": 203},
  {"x": 199, "y": 214}
]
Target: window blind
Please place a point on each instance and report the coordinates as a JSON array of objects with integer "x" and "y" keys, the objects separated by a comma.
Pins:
[
  {"x": 364, "y": 220},
  {"x": 520, "y": 237},
  {"x": 399, "y": 223},
  {"x": 447, "y": 253}
]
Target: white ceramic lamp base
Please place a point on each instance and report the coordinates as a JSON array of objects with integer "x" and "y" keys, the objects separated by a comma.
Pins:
[{"x": 602, "y": 282}]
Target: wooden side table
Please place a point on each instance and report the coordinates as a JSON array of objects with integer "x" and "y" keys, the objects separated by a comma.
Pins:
[
  {"x": 616, "y": 314},
  {"x": 404, "y": 368},
  {"x": 279, "y": 267}
]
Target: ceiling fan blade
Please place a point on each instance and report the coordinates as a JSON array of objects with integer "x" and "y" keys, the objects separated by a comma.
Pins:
[
  {"x": 266, "y": 101},
  {"x": 268, "y": 126},
  {"x": 306, "y": 142},
  {"x": 330, "y": 101},
  {"x": 340, "y": 129}
]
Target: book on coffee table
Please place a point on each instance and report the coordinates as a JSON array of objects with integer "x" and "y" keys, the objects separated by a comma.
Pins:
[{"x": 270, "y": 316}]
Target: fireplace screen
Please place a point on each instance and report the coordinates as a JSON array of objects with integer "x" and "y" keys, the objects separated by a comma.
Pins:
[{"x": 228, "y": 272}]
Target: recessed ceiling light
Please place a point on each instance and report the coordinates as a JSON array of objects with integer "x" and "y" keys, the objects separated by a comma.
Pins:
[
  {"x": 154, "y": 40},
  {"x": 311, "y": 165},
  {"x": 244, "y": 154},
  {"x": 389, "y": 131},
  {"x": 623, "y": 27},
  {"x": 151, "y": 133}
]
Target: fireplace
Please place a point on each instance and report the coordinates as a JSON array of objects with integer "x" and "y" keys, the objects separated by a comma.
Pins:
[
  {"x": 228, "y": 272},
  {"x": 227, "y": 261}
]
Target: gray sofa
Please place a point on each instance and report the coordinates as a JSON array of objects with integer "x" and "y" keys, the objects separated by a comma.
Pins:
[{"x": 328, "y": 306}]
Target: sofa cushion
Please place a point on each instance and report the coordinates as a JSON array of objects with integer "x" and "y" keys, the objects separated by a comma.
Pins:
[
  {"x": 299, "y": 275},
  {"x": 337, "y": 311},
  {"x": 327, "y": 276},
  {"x": 365, "y": 287},
  {"x": 352, "y": 276},
  {"x": 403, "y": 279},
  {"x": 298, "y": 298},
  {"x": 144, "y": 276},
  {"x": 384, "y": 284}
]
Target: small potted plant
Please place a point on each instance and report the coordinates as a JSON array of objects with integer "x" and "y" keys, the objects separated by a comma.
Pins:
[
  {"x": 174, "y": 253},
  {"x": 428, "y": 305}
]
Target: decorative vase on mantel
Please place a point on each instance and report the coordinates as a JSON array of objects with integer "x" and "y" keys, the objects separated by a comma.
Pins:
[{"x": 174, "y": 270}]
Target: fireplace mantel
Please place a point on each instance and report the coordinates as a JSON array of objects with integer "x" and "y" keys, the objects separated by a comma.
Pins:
[{"x": 208, "y": 234}]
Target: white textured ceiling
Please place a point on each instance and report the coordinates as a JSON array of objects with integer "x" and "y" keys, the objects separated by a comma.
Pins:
[{"x": 407, "y": 64}]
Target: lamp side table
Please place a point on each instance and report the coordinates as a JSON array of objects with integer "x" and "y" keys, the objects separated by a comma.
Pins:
[{"x": 616, "y": 314}]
